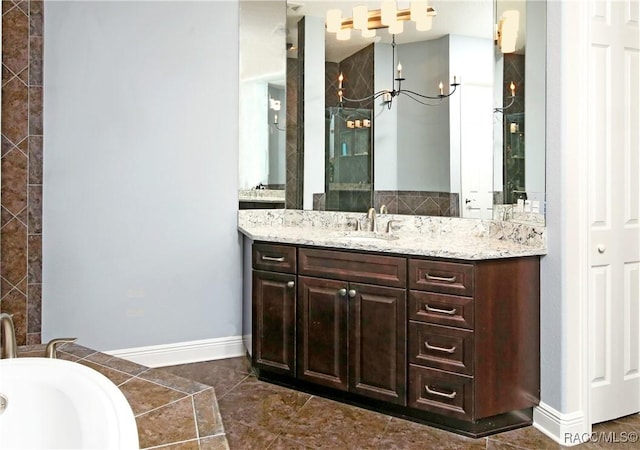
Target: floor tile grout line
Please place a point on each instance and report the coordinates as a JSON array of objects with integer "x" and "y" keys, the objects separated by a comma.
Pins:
[
  {"x": 233, "y": 387},
  {"x": 291, "y": 420},
  {"x": 162, "y": 406},
  {"x": 171, "y": 443},
  {"x": 206, "y": 386},
  {"x": 386, "y": 427}
]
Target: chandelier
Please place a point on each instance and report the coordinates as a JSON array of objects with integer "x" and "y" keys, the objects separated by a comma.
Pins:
[
  {"x": 388, "y": 16},
  {"x": 397, "y": 90}
]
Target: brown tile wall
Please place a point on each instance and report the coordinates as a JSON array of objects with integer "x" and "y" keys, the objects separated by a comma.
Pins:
[
  {"x": 419, "y": 203},
  {"x": 293, "y": 194},
  {"x": 21, "y": 218}
]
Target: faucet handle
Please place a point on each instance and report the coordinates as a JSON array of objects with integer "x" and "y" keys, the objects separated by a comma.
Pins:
[
  {"x": 390, "y": 223},
  {"x": 356, "y": 222},
  {"x": 50, "y": 351},
  {"x": 383, "y": 209}
]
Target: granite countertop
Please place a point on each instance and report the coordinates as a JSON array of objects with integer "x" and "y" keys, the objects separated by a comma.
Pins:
[
  {"x": 443, "y": 237},
  {"x": 261, "y": 195}
]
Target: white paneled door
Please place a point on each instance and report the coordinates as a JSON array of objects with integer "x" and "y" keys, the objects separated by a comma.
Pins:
[
  {"x": 614, "y": 209},
  {"x": 476, "y": 152}
]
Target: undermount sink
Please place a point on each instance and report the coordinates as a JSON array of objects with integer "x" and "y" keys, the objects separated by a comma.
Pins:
[{"x": 366, "y": 237}]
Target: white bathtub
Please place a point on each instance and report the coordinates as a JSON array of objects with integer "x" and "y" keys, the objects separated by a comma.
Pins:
[{"x": 55, "y": 404}]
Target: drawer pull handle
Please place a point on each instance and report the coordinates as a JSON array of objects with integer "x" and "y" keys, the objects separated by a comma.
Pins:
[
  {"x": 444, "y": 279},
  {"x": 440, "y": 394},
  {"x": 450, "y": 312},
  {"x": 291, "y": 284},
  {"x": 342, "y": 292},
  {"x": 352, "y": 293},
  {"x": 440, "y": 349},
  {"x": 273, "y": 258}
]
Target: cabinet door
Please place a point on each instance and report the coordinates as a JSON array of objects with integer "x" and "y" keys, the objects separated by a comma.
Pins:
[
  {"x": 274, "y": 303},
  {"x": 378, "y": 342},
  {"x": 322, "y": 332}
]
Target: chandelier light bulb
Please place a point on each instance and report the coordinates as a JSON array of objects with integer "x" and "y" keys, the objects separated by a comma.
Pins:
[
  {"x": 388, "y": 13},
  {"x": 368, "y": 33},
  {"x": 418, "y": 10},
  {"x": 424, "y": 24},
  {"x": 344, "y": 34},
  {"x": 360, "y": 17},
  {"x": 334, "y": 20},
  {"x": 396, "y": 27}
]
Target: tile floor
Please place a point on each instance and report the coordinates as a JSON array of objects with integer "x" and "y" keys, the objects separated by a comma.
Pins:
[{"x": 258, "y": 415}]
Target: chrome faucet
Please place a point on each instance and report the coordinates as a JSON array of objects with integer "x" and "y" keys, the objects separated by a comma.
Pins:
[
  {"x": 383, "y": 209},
  {"x": 50, "y": 351},
  {"x": 371, "y": 215},
  {"x": 9, "y": 348}
]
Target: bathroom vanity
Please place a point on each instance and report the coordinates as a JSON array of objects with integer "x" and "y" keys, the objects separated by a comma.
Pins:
[{"x": 378, "y": 321}]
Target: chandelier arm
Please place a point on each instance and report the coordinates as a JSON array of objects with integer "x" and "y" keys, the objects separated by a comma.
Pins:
[
  {"x": 367, "y": 98},
  {"x": 500, "y": 110},
  {"x": 431, "y": 97},
  {"x": 408, "y": 94}
]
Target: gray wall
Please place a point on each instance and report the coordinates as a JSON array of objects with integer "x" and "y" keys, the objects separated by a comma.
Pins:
[
  {"x": 423, "y": 132},
  {"x": 141, "y": 173},
  {"x": 552, "y": 266}
]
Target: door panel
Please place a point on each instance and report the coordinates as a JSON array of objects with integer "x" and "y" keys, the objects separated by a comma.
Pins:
[
  {"x": 614, "y": 204},
  {"x": 274, "y": 321},
  {"x": 322, "y": 332},
  {"x": 377, "y": 347}
]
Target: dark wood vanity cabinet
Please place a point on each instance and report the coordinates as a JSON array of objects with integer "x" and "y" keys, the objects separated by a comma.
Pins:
[
  {"x": 351, "y": 335},
  {"x": 451, "y": 343},
  {"x": 474, "y": 337},
  {"x": 274, "y": 308}
]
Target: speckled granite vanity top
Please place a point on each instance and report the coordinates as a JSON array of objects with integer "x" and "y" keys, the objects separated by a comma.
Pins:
[
  {"x": 443, "y": 237},
  {"x": 261, "y": 195}
]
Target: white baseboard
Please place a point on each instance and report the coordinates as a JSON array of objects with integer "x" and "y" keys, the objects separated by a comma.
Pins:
[
  {"x": 183, "y": 352},
  {"x": 565, "y": 429}
]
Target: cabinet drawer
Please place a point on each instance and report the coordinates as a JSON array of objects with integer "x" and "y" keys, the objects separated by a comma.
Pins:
[
  {"x": 357, "y": 267},
  {"x": 442, "y": 309},
  {"x": 274, "y": 258},
  {"x": 443, "y": 277},
  {"x": 441, "y": 392},
  {"x": 441, "y": 347}
]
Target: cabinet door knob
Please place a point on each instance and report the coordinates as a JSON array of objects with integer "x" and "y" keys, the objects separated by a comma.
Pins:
[
  {"x": 291, "y": 284},
  {"x": 352, "y": 293},
  {"x": 342, "y": 292},
  {"x": 601, "y": 248}
]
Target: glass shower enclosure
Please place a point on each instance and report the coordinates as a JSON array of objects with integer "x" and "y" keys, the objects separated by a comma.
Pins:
[{"x": 348, "y": 159}]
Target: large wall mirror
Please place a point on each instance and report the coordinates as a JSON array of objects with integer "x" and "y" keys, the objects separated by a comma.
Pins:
[{"x": 466, "y": 137}]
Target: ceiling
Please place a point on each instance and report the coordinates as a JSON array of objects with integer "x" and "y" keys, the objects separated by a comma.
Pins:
[{"x": 453, "y": 17}]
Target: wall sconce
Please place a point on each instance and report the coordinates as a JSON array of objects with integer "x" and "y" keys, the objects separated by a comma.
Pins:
[
  {"x": 388, "y": 16},
  {"x": 389, "y": 95},
  {"x": 274, "y": 105},
  {"x": 512, "y": 98},
  {"x": 507, "y": 31}
]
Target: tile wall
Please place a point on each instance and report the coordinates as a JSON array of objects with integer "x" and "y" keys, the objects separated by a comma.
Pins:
[{"x": 21, "y": 218}]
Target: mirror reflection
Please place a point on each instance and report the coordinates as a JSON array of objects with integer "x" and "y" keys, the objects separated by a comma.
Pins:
[
  {"x": 464, "y": 155},
  {"x": 262, "y": 107}
]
